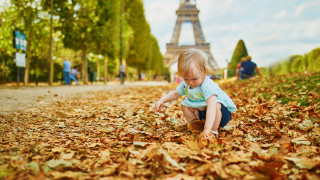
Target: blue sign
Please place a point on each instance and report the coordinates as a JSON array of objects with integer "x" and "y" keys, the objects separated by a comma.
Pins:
[{"x": 20, "y": 40}]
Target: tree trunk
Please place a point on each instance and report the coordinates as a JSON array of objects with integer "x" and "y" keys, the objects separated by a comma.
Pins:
[
  {"x": 84, "y": 66},
  {"x": 105, "y": 67},
  {"x": 29, "y": 40},
  {"x": 98, "y": 69},
  {"x": 139, "y": 74},
  {"x": 51, "y": 71}
]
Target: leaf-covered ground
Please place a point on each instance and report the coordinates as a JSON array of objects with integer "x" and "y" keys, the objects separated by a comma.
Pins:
[{"x": 274, "y": 134}]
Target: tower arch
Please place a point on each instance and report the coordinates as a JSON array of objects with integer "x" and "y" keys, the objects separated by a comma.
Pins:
[{"x": 188, "y": 12}]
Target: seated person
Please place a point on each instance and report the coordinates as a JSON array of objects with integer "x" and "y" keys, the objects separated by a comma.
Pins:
[
  {"x": 246, "y": 68},
  {"x": 75, "y": 75}
]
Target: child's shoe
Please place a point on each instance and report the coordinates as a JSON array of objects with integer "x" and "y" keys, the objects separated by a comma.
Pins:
[
  {"x": 214, "y": 132},
  {"x": 196, "y": 125}
]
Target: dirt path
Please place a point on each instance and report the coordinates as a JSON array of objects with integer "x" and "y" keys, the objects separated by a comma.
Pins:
[{"x": 23, "y": 98}]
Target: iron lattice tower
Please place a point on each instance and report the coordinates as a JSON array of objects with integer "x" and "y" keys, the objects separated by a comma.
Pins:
[{"x": 188, "y": 12}]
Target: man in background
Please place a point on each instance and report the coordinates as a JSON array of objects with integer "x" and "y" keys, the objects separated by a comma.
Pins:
[
  {"x": 66, "y": 70},
  {"x": 246, "y": 68}
]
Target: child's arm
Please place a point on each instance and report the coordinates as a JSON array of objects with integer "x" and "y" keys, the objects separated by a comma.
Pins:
[
  {"x": 210, "y": 115},
  {"x": 171, "y": 96}
]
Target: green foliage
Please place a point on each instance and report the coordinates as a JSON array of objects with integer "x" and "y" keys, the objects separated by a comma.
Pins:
[
  {"x": 140, "y": 48},
  {"x": 239, "y": 52},
  {"x": 107, "y": 29},
  {"x": 4, "y": 72},
  {"x": 284, "y": 67},
  {"x": 296, "y": 87},
  {"x": 77, "y": 24},
  {"x": 313, "y": 60},
  {"x": 157, "y": 58},
  {"x": 265, "y": 71},
  {"x": 7, "y": 66},
  {"x": 80, "y": 27},
  {"x": 7, "y": 26},
  {"x": 298, "y": 63}
]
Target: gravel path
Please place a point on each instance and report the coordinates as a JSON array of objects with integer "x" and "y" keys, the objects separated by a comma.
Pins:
[{"x": 25, "y": 98}]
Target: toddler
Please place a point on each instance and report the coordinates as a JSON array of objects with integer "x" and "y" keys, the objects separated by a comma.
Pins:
[{"x": 204, "y": 98}]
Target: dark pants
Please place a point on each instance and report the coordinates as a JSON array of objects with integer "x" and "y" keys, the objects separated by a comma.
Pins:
[
  {"x": 243, "y": 75},
  {"x": 226, "y": 115}
]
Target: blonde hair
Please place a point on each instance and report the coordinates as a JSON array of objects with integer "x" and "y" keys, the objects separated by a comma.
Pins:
[
  {"x": 189, "y": 56},
  {"x": 243, "y": 59}
]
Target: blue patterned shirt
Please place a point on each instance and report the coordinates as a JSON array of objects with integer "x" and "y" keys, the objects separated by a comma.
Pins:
[{"x": 196, "y": 97}]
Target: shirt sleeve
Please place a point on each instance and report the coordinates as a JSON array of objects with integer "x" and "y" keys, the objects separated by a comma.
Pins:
[
  {"x": 209, "y": 88},
  {"x": 181, "y": 88}
]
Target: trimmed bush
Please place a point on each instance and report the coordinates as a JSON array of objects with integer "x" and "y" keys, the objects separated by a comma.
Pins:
[
  {"x": 313, "y": 60},
  {"x": 239, "y": 52},
  {"x": 298, "y": 64}
]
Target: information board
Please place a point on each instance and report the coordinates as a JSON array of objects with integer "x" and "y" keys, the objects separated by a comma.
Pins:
[
  {"x": 20, "y": 40},
  {"x": 20, "y": 59}
]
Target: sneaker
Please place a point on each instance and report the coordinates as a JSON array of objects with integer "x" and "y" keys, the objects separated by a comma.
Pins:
[{"x": 215, "y": 133}]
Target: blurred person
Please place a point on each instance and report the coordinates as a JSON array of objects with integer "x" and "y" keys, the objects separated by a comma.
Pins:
[
  {"x": 75, "y": 75},
  {"x": 122, "y": 73},
  {"x": 67, "y": 70},
  {"x": 246, "y": 68}
]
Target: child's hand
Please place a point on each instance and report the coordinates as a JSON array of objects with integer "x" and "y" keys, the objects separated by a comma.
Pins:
[
  {"x": 206, "y": 134},
  {"x": 158, "y": 105}
]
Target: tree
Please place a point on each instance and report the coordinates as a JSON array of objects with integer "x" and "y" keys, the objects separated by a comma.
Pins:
[
  {"x": 157, "y": 60},
  {"x": 77, "y": 19},
  {"x": 140, "y": 46},
  {"x": 51, "y": 44},
  {"x": 28, "y": 11},
  {"x": 239, "y": 52},
  {"x": 7, "y": 65},
  {"x": 106, "y": 31},
  {"x": 33, "y": 20}
]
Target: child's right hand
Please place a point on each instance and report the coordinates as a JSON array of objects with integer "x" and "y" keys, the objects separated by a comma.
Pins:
[{"x": 158, "y": 105}]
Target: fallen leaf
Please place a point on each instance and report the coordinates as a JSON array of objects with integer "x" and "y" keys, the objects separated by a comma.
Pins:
[
  {"x": 301, "y": 140},
  {"x": 67, "y": 156},
  {"x": 305, "y": 125},
  {"x": 303, "y": 162}
]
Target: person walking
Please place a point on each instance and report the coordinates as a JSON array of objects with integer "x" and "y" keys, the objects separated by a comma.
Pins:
[
  {"x": 67, "y": 70},
  {"x": 122, "y": 73}
]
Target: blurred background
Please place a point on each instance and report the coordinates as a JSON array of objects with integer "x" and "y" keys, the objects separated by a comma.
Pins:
[{"x": 99, "y": 35}]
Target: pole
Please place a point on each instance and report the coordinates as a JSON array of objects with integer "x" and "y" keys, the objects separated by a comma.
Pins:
[{"x": 18, "y": 76}]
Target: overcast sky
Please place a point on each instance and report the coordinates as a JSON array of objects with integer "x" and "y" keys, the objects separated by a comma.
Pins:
[{"x": 271, "y": 29}]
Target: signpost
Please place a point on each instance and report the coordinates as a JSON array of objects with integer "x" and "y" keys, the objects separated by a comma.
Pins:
[
  {"x": 20, "y": 43},
  {"x": 20, "y": 40}
]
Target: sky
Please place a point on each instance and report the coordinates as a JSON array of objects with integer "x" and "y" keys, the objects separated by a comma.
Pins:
[{"x": 271, "y": 30}]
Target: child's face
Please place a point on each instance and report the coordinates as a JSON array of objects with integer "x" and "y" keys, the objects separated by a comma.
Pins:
[{"x": 193, "y": 78}]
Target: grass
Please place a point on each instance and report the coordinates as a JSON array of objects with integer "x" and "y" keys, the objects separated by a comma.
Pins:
[{"x": 302, "y": 88}]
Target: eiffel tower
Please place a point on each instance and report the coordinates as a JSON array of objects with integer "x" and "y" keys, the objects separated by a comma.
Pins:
[{"x": 188, "y": 12}]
